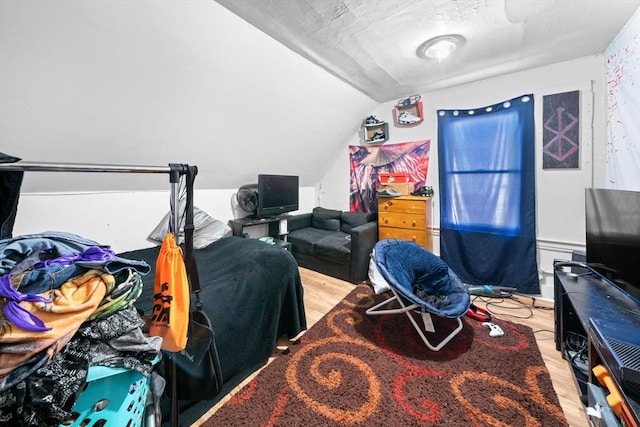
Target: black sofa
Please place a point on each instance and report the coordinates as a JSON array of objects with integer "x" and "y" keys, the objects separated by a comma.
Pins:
[{"x": 334, "y": 242}]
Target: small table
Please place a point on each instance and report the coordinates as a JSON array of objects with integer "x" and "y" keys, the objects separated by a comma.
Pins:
[
  {"x": 238, "y": 225},
  {"x": 283, "y": 244}
]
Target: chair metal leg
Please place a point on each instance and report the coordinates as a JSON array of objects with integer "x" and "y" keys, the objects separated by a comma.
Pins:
[
  {"x": 377, "y": 309},
  {"x": 406, "y": 309},
  {"x": 444, "y": 341}
]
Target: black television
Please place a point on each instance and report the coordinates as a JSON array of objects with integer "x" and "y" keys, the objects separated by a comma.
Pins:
[
  {"x": 613, "y": 236},
  {"x": 277, "y": 194}
]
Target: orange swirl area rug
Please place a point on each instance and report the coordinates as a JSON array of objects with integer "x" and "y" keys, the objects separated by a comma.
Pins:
[{"x": 351, "y": 369}]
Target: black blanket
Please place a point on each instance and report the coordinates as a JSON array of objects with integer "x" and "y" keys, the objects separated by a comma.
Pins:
[{"x": 252, "y": 293}]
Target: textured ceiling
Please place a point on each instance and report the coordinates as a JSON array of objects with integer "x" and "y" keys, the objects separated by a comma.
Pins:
[{"x": 371, "y": 44}]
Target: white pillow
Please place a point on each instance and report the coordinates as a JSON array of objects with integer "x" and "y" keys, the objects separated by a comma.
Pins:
[
  {"x": 206, "y": 229},
  {"x": 378, "y": 282}
]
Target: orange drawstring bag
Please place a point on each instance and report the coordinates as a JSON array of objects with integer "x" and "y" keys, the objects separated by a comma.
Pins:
[{"x": 170, "y": 316}]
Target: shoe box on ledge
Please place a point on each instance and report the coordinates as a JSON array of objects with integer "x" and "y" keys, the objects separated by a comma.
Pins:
[{"x": 400, "y": 182}]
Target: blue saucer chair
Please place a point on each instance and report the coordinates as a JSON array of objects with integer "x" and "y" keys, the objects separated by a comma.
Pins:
[{"x": 420, "y": 281}]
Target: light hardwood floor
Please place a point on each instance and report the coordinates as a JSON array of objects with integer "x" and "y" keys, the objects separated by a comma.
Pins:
[{"x": 322, "y": 293}]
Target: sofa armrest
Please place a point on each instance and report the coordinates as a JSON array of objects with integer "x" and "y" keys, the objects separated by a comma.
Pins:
[
  {"x": 363, "y": 239},
  {"x": 296, "y": 222}
]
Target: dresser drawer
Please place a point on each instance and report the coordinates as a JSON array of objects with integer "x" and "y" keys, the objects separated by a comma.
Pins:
[
  {"x": 406, "y": 218},
  {"x": 404, "y": 205},
  {"x": 402, "y": 220},
  {"x": 417, "y": 236}
]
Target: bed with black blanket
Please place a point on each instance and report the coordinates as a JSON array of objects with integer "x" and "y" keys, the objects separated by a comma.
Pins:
[{"x": 253, "y": 295}]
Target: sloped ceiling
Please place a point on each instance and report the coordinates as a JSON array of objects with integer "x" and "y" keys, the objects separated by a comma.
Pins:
[{"x": 371, "y": 44}]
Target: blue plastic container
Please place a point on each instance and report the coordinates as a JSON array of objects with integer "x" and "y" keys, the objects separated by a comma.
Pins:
[{"x": 113, "y": 397}]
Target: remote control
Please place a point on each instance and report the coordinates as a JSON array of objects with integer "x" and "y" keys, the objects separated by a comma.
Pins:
[{"x": 496, "y": 331}]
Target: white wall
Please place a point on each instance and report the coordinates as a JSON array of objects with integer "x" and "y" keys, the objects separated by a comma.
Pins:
[
  {"x": 152, "y": 83},
  {"x": 559, "y": 193},
  {"x": 123, "y": 220},
  {"x": 158, "y": 82},
  {"x": 622, "y": 59}
]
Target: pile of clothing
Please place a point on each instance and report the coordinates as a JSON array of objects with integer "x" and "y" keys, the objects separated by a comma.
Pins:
[{"x": 66, "y": 304}]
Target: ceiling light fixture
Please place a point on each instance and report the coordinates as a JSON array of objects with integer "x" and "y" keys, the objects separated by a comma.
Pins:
[{"x": 440, "y": 47}]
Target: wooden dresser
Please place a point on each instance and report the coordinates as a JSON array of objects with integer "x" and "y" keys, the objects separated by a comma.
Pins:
[{"x": 406, "y": 218}]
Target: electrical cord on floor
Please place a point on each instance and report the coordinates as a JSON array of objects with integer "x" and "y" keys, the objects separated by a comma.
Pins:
[
  {"x": 549, "y": 331},
  {"x": 542, "y": 307},
  {"x": 501, "y": 307},
  {"x": 539, "y": 307},
  {"x": 504, "y": 306}
]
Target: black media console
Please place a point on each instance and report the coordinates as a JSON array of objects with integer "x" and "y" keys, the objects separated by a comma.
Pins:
[{"x": 597, "y": 323}]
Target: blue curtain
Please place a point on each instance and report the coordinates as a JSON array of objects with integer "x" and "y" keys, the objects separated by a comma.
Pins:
[{"x": 486, "y": 162}]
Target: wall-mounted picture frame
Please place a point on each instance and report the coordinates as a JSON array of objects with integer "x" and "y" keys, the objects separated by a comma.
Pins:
[{"x": 561, "y": 130}]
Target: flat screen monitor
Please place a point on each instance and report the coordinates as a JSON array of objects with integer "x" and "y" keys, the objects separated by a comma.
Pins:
[
  {"x": 277, "y": 194},
  {"x": 613, "y": 236}
]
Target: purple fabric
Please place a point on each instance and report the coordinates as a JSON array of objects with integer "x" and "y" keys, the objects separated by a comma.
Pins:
[
  {"x": 23, "y": 318},
  {"x": 93, "y": 253},
  {"x": 15, "y": 313}
]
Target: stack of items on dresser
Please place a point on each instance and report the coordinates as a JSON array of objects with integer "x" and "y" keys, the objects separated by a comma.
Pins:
[{"x": 66, "y": 304}]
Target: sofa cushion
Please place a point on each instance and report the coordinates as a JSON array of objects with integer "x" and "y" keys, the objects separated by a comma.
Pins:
[
  {"x": 304, "y": 239},
  {"x": 326, "y": 219},
  {"x": 335, "y": 248},
  {"x": 352, "y": 219}
]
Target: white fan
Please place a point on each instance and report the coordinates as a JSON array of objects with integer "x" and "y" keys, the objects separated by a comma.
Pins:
[{"x": 247, "y": 198}]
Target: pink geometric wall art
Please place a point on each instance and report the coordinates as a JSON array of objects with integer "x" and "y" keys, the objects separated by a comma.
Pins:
[{"x": 561, "y": 130}]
